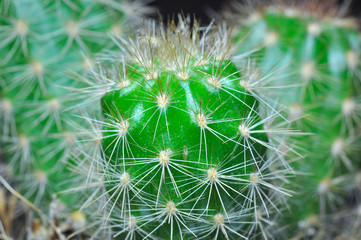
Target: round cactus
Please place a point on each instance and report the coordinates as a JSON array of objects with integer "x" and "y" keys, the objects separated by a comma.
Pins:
[{"x": 185, "y": 151}]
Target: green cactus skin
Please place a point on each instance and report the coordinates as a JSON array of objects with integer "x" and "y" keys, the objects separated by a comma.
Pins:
[
  {"x": 185, "y": 149},
  {"x": 320, "y": 58},
  {"x": 43, "y": 44}
]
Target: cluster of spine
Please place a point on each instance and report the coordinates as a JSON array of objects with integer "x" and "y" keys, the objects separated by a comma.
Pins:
[
  {"x": 184, "y": 152},
  {"x": 314, "y": 54},
  {"x": 44, "y": 46}
]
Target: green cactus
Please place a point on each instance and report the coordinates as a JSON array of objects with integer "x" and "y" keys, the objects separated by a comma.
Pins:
[
  {"x": 177, "y": 137},
  {"x": 44, "y": 46},
  {"x": 185, "y": 151},
  {"x": 316, "y": 52}
]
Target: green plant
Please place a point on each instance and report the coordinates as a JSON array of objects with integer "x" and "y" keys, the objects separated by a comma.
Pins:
[
  {"x": 46, "y": 47},
  {"x": 315, "y": 51},
  {"x": 185, "y": 153},
  {"x": 170, "y": 135}
]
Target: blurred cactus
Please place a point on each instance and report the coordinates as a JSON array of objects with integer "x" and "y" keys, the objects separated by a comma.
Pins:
[
  {"x": 313, "y": 51},
  {"x": 44, "y": 46}
]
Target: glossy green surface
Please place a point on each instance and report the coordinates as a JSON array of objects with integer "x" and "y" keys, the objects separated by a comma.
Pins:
[{"x": 168, "y": 134}]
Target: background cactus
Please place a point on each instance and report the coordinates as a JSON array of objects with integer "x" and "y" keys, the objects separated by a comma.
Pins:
[
  {"x": 313, "y": 51},
  {"x": 46, "y": 49}
]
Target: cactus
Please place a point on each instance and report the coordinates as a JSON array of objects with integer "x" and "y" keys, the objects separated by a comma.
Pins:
[
  {"x": 315, "y": 50},
  {"x": 177, "y": 137},
  {"x": 45, "y": 47},
  {"x": 185, "y": 153}
]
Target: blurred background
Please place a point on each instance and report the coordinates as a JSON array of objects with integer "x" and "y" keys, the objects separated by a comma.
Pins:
[{"x": 203, "y": 8}]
